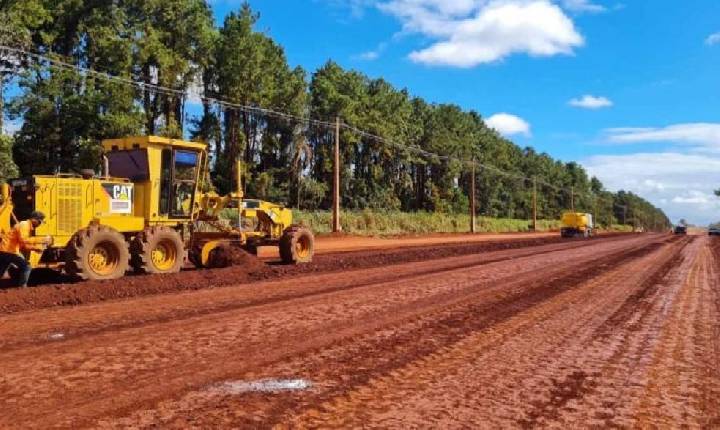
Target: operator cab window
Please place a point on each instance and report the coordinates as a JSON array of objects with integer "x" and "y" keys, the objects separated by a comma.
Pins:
[
  {"x": 178, "y": 174},
  {"x": 165, "y": 181},
  {"x": 132, "y": 165},
  {"x": 186, "y": 163}
]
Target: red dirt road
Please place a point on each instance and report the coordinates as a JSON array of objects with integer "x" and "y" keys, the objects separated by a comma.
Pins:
[
  {"x": 342, "y": 243},
  {"x": 621, "y": 331}
]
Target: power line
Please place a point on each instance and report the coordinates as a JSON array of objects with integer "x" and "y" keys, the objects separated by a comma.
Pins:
[
  {"x": 160, "y": 89},
  {"x": 147, "y": 86},
  {"x": 466, "y": 162}
]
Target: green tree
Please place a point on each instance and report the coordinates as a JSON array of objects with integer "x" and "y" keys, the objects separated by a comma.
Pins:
[
  {"x": 8, "y": 169},
  {"x": 250, "y": 69},
  {"x": 19, "y": 20},
  {"x": 65, "y": 113},
  {"x": 171, "y": 40}
]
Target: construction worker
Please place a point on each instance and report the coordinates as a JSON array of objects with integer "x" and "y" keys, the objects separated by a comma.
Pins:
[{"x": 18, "y": 240}]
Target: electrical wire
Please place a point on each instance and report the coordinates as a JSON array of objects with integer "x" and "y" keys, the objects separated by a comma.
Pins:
[{"x": 160, "y": 89}]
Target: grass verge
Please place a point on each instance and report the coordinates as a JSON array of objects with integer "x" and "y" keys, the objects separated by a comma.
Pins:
[{"x": 391, "y": 223}]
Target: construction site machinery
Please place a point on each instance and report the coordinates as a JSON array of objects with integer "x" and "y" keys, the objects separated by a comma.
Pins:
[
  {"x": 150, "y": 211},
  {"x": 680, "y": 229},
  {"x": 574, "y": 224}
]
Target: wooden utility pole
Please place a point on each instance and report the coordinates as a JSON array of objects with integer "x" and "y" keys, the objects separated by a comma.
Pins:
[
  {"x": 336, "y": 227},
  {"x": 596, "y": 215},
  {"x": 472, "y": 199},
  {"x": 534, "y": 220},
  {"x": 624, "y": 215},
  {"x": 572, "y": 199}
]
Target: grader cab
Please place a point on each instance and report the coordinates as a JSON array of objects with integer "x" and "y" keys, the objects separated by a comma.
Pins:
[{"x": 149, "y": 212}]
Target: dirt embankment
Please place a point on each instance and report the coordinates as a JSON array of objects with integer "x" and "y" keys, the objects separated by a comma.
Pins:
[{"x": 251, "y": 270}]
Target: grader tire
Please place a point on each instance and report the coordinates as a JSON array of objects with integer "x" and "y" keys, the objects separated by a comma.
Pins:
[
  {"x": 97, "y": 253},
  {"x": 297, "y": 245},
  {"x": 220, "y": 257},
  {"x": 157, "y": 250},
  {"x": 251, "y": 248},
  {"x": 195, "y": 256}
]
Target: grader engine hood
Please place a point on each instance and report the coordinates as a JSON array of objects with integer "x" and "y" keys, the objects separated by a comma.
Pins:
[
  {"x": 120, "y": 197},
  {"x": 71, "y": 203}
]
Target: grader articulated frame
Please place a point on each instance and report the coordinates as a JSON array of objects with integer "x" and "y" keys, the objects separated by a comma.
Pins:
[{"x": 149, "y": 211}]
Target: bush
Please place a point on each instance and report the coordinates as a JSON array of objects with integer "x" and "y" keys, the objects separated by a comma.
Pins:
[
  {"x": 393, "y": 223},
  {"x": 388, "y": 223},
  {"x": 312, "y": 192}
]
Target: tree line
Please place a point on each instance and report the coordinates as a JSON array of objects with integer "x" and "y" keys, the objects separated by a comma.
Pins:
[{"x": 175, "y": 44}]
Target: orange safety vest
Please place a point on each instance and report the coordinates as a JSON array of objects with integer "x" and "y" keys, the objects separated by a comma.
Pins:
[{"x": 20, "y": 237}]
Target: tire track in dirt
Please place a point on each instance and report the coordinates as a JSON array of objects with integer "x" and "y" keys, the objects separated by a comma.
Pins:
[
  {"x": 610, "y": 359},
  {"x": 27, "y": 329},
  {"x": 505, "y": 375},
  {"x": 149, "y": 363},
  {"x": 684, "y": 378},
  {"x": 15, "y": 300},
  {"x": 383, "y": 351}
]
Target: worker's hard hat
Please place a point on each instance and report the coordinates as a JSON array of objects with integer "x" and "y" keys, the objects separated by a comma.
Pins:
[{"x": 38, "y": 216}]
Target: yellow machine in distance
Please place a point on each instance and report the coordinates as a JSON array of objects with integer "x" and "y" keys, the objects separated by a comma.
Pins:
[
  {"x": 147, "y": 211},
  {"x": 577, "y": 225}
]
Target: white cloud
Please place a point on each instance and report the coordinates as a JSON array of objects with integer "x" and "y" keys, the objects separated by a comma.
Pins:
[
  {"x": 681, "y": 184},
  {"x": 473, "y": 32},
  {"x": 508, "y": 124},
  {"x": 11, "y": 127},
  {"x": 713, "y": 39},
  {"x": 591, "y": 102},
  {"x": 583, "y": 6},
  {"x": 703, "y": 136},
  {"x": 369, "y": 55},
  {"x": 356, "y": 7},
  {"x": 695, "y": 197},
  {"x": 372, "y": 55}
]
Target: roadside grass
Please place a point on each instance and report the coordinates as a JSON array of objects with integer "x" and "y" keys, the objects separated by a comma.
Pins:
[
  {"x": 391, "y": 223},
  {"x": 396, "y": 223}
]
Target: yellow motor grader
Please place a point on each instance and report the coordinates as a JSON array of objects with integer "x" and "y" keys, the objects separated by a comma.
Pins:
[{"x": 148, "y": 212}]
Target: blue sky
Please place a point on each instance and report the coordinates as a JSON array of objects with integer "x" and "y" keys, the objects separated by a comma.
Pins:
[{"x": 628, "y": 89}]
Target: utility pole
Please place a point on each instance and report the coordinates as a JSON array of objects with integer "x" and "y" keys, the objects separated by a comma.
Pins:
[
  {"x": 572, "y": 198},
  {"x": 534, "y": 220},
  {"x": 336, "y": 227},
  {"x": 472, "y": 199},
  {"x": 596, "y": 215},
  {"x": 624, "y": 215}
]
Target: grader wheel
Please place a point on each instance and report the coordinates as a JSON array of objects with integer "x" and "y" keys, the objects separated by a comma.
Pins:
[
  {"x": 251, "y": 248},
  {"x": 214, "y": 254},
  {"x": 220, "y": 257},
  {"x": 157, "y": 250},
  {"x": 297, "y": 245},
  {"x": 97, "y": 253}
]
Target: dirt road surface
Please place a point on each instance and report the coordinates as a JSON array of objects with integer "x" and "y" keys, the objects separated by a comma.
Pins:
[
  {"x": 614, "y": 332},
  {"x": 343, "y": 243}
]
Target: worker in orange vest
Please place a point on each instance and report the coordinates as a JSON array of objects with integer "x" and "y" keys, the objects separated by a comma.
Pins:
[{"x": 19, "y": 239}]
